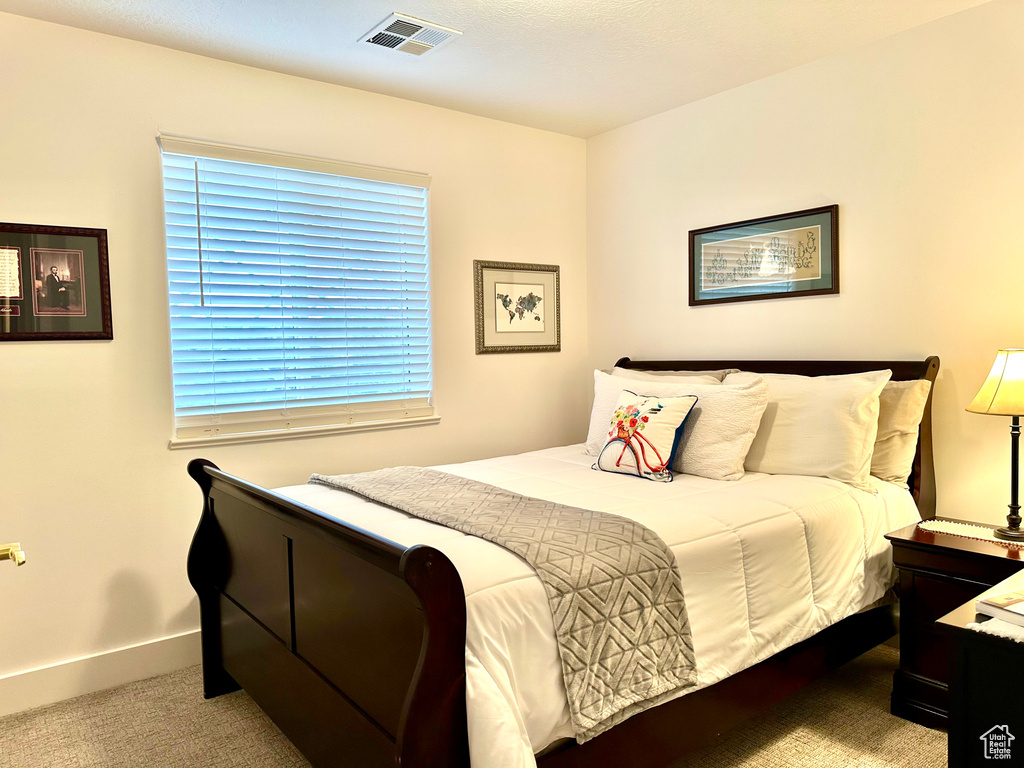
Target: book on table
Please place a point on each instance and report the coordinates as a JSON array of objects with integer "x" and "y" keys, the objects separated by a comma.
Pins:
[{"x": 1008, "y": 607}]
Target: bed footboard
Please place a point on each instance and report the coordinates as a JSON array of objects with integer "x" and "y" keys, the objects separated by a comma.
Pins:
[{"x": 352, "y": 644}]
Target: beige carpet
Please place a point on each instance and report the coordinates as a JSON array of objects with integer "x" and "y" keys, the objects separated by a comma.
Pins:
[{"x": 840, "y": 721}]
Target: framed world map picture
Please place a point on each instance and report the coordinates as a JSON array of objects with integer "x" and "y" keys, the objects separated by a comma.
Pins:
[{"x": 517, "y": 307}]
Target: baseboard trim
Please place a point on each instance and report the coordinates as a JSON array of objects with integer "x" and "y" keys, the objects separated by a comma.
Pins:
[{"x": 38, "y": 687}]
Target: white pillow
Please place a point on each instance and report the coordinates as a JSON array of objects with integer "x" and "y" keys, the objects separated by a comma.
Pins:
[
  {"x": 900, "y": 410},
  {"x": 606, "y": 394},
  {"x": 822, "y": 426},
  {"x": 643, "y": 435},
  {"x": 629, "y": 373},
  {"x": 718, "y": 432}
]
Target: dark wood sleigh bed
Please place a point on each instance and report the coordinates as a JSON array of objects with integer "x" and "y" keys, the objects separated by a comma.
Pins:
[{"x": 355, "y": 646}]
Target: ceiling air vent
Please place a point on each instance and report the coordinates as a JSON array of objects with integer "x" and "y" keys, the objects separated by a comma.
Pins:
[{"x": 409, "y": 34}]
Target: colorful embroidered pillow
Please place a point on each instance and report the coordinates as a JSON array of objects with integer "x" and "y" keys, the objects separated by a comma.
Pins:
[{"x": 644, "y": 435}]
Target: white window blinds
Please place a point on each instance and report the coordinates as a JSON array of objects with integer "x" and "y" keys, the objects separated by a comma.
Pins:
[{"x": 298, "y": 298}]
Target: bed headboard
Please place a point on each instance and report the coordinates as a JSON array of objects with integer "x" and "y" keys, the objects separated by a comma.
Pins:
[{"x": 922, "y": 478}]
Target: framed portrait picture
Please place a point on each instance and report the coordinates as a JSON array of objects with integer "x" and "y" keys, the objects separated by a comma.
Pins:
[
  {"x": 54, "y": 283},
  {"x": 792, "y": 254},
  {"x": 517, "y": 307}
]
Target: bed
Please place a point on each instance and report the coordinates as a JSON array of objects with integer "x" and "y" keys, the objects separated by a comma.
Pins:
[{"x": 355, "y": 641}]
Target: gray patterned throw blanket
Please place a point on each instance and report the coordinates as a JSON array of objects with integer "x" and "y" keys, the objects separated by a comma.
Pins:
[{"x": 612, "y": 585}]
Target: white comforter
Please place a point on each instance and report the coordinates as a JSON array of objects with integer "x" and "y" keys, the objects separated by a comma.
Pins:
[{"x": 765, "y": 561}]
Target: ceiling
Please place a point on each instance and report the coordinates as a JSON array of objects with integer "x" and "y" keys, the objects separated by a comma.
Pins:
[{"x": 579, "y": 67}]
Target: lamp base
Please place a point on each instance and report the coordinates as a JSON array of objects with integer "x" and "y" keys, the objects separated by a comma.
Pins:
[{"x": 1007, "y": 533}]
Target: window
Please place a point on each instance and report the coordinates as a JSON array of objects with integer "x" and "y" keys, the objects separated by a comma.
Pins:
[{"x": 298, "y": 292}]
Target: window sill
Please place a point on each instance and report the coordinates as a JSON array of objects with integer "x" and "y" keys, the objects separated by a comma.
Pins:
[{"x": 233, "y": 438}]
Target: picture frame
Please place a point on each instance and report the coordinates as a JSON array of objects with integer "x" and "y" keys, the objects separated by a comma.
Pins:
[
  {"x": 518, "y": 307},
  {"x": 54, "y": 283},
  {"x": 774, "y": 257}
]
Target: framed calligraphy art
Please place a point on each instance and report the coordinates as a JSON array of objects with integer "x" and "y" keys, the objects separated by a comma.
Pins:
[
  {"x": 517, "y": 307},
  {"x": 54, "y": 283},
  {"x": 792, "y": 254}
]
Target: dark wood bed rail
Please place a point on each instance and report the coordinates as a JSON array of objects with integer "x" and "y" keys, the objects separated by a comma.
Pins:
[{"x": 355, "y": 645}]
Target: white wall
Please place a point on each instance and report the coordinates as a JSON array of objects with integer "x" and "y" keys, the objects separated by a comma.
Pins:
[
  {"x": 918, "y": 138},
  {"x": 103, "y": 508}
]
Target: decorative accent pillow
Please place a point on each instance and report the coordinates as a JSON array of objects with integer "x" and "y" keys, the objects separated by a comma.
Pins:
[
  {"x": 900, "y": 410},
  {"x": 644, "y": 434},
  {"x": 606, "y": 394},
  {"x": 718, "y": 433},
  {"x": 822, "y": 426},
  {"x": 630, "y": 373}
]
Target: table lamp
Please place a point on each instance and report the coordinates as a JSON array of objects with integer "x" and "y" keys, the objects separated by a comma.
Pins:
[{"x": 1002, "y": 394}]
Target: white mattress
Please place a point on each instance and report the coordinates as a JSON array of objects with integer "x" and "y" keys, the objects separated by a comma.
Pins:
[{"x": 765, "y": 561}]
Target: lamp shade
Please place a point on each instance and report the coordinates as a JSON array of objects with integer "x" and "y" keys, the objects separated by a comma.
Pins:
[{"x": 1002, "y": 394}]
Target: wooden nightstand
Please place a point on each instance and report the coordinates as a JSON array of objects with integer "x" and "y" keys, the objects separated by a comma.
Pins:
[{"x": 936, "y": 573}]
